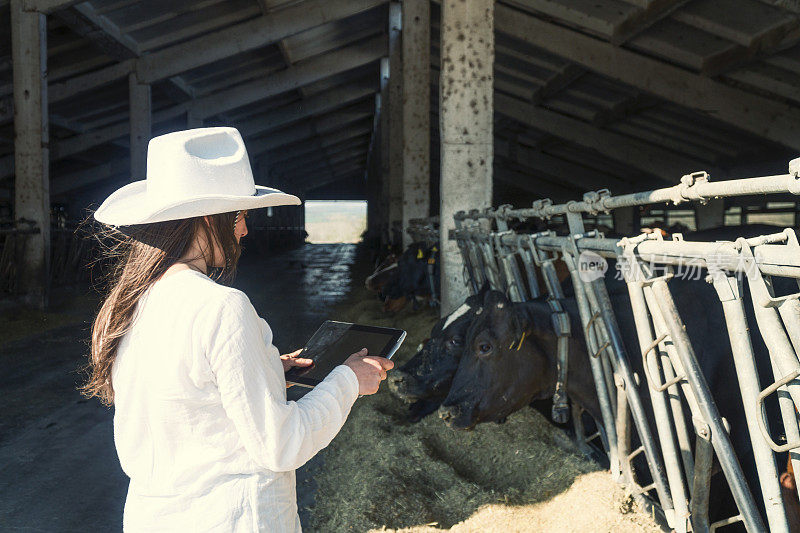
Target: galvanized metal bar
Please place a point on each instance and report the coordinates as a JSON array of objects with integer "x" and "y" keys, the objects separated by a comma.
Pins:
[
  {"x": 692, "y": 187},
  {"x": 771, "y": 259},
  {"x": 598, "y": 373},
  {"x": 769, "y": 322},
  {"x": 654, "y": 460},
  {"x": 516, "y": 287},
  {"x": 530, "y": 271},
  {"x": 470, "y": 268},
  {"x": 729, "y": 291},
  {"x": 720, "y": 439},
  {"x": 661, "y": 411},
  {"x": 597, "y": 295},
  {"x": 678, "y": 417}
]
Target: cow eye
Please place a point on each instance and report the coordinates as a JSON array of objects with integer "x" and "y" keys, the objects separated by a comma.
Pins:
[
  {"x": 456, "y": 341},
  {"x": 484, "y": 348}
]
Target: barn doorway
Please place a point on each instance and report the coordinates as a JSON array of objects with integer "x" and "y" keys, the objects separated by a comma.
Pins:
[{"x": 335, "y": 221}]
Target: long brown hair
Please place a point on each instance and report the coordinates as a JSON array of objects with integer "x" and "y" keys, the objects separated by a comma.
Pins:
[{"x": 140, "y": 255}]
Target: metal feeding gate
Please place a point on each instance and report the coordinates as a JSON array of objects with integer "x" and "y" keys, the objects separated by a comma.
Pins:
[
  {"x": 424, "y": 230},
  {"x": 681, "y": 473}
]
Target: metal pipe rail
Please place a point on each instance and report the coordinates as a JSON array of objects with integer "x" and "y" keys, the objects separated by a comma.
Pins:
[
  {"x": 692, "y": 187},
  {"x": 771, "y": 259}
]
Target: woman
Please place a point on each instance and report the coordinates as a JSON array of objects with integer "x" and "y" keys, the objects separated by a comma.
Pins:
[{"x": 201, "y": 424}]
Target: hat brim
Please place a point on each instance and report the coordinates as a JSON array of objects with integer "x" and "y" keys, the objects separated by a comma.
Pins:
[{"x": 130, "y": 205}]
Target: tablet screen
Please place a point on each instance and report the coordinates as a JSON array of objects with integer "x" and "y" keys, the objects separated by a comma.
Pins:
[{"x": 334, "y": 342}]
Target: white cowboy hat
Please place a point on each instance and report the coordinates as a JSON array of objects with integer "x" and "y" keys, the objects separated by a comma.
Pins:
[{"x": 191, "y": 173}]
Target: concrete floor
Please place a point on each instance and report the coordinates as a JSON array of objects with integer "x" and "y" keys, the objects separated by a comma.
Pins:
[{"x": 58, "y": 466}]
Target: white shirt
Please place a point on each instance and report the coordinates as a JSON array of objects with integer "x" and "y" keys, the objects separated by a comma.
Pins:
[{"x": 202, "y": 425}]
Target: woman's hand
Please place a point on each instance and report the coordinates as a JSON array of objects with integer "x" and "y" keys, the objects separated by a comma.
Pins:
[
  {"x": 369, "y": 370},
  {"x": 291, "y": 360}
]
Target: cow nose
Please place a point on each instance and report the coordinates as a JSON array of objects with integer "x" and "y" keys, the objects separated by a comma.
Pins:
[
  {"x": 449, "y": 412},
  {"x": 396, "y": 381}
]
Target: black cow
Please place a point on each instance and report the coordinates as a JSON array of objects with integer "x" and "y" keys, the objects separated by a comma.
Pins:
[
  {"x": 518, "y": 337},
  {"x": 411, "y": 279},
  {"x": 509, "y": 360},
  {"x": 425, "y": 379}
]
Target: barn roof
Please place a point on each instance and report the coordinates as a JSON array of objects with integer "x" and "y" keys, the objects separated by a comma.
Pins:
[{"x": 588, "y": 93}]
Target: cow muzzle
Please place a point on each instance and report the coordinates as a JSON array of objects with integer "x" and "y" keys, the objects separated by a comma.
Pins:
[
  {"x": 399, "y": 384},
  {"x": 456, "y": 417}
]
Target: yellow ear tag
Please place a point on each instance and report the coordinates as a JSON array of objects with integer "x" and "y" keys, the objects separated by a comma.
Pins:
[
  {"x": 435, "y": 249},
  {"x": 419, "y": 253},
  {"x": 521, "y": 340},
  {"x": 431, "y": 261}
]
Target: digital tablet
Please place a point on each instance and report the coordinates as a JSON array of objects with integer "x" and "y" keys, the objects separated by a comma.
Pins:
[{"x": 335, "y": 341}]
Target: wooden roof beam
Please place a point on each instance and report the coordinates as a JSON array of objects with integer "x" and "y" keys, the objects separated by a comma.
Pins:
[
  {"x": 356, "y": 171},
  {"x": 283, "y": 138},
  {"x": 623, "y": 109},
  {"x": 321, "y": 159},
  {"x": 556, "y": 83},
  {"x": 348, "y": 169},
  {"x": 49, "y": 6},
  {"x": 763, "y": 117},
  {"x": 307, "y": 149},
  {"x": 206, "y": 49},
  {"x": 647, "y": 15},
  {"x": 307, "y": 72},
  {"x": 317, "y": 105},
  {"x": 570, "y": 172},
  {"x": 345, "y": 162},
  {"x": 771, "y": 40},
  {"x": 284, "y": 115},
  {"x": 662, "y": 164},
  {"x": 81, "y": 178},
  {"x": 531, "y": 182},
  {"x": 84, "y": 20}
]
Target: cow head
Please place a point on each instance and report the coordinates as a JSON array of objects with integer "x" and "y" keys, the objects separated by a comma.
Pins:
[
  {"x": 382, "y": 274},
  {"x": 507, "y": 362},
  {"x": 429, "y": 373}
]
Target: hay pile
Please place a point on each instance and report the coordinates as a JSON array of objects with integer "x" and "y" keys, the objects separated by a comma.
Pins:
[{"x": 382, "y": 473}]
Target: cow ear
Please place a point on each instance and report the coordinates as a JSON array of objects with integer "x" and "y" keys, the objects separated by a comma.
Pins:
[
  {"x": 477, "y": 299},
  {"x": 533, "y": 314}
]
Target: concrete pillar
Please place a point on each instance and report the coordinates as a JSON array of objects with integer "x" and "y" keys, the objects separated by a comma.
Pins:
[
  {"x": 374, "y": 175},
  {"x": 625, "y": 221},
  {"x": 141, "y": 116},
  {"x": 416, "y": 111},
  {"x": 395, "y": 118},
  {"x": 711, "y": 215},
  {"x": 384, "y": 152},
  {"x": 466, "y": 104},
  {"x": 31, "y": 153}
]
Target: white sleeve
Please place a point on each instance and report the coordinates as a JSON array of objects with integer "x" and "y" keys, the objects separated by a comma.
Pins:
[{"x": 279, "y": 435}]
